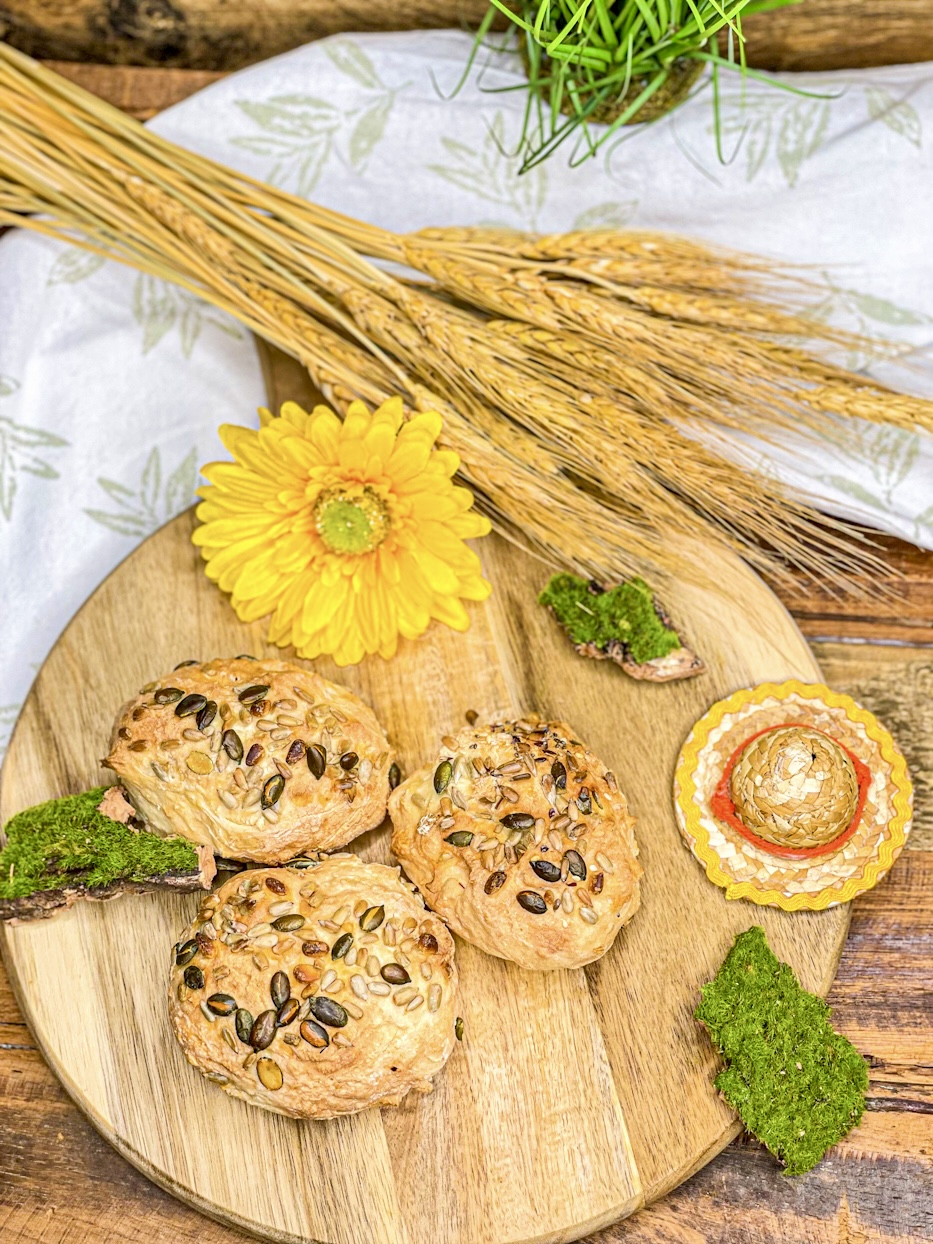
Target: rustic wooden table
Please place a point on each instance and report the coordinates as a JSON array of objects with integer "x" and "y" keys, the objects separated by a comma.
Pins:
[{"x": 60, "y": 1182}]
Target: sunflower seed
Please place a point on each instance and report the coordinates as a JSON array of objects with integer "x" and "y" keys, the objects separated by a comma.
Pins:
[
  {"x": 378, "y": 987},
  {"x": 605, "y": 863}
]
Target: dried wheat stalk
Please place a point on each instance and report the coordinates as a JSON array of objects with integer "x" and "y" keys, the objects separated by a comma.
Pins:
[{"x": 573, "y": 371}]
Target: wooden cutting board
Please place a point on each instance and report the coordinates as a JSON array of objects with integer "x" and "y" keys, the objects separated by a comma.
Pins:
[{"x": 575, "y": 1097}]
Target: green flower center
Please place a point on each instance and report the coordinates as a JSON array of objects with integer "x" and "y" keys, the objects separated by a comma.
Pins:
[{"x": 352, "y": 520}]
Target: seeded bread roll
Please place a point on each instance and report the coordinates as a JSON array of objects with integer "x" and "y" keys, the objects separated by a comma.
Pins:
[
  {"x": 521, "y": 839},
  {"x": 262, "y": 760},
  {"x": 318, "y": 992}
]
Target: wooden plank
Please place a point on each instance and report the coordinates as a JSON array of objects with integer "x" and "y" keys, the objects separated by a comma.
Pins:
[
  {"x": 224, "y": 34},
  {"x": 896, "y": 683},
  {"x": 139, "y": 91}
]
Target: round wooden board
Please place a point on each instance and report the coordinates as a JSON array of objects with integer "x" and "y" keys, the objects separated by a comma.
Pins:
[{"x": 575, "y": 1097}]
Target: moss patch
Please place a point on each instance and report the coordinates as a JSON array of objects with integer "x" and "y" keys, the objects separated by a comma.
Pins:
[
  {"x": 798, "y": 1085},
  {"x": 625, "y": 613},
  {"x": 67, "y": 842}
]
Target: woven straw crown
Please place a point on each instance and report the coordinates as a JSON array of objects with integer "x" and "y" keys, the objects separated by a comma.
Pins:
[{"x": 795, "y": 787}]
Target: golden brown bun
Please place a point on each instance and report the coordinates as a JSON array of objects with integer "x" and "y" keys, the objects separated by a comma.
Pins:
[
  {"x": 197, "y": 782},
  {"x": 394, "y": 1038},
  {"x": 529, "y": 793}
]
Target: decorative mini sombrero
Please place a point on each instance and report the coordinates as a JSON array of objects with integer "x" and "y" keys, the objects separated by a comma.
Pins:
[{"x": 793, "y": 796}]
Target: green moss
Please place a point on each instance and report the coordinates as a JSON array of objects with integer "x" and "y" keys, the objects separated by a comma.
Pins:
[
  {"x": 68, "y": 842},
  {"x": 625, "y": 613},
  {"x": 798, "y": 1085}
]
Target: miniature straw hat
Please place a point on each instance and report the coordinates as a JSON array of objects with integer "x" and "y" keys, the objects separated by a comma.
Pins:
[{"x": 792, "y": 795}]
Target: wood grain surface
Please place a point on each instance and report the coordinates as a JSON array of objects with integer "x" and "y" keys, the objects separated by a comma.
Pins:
[
  {"x": 227, "y": 34},
  {"x": 575, "y": 1096}
]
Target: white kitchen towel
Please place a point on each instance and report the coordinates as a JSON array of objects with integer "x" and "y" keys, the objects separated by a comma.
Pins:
[{"x": 112, "y": 384}]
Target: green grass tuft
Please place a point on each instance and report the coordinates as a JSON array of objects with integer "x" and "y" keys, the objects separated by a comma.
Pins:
[
  {"x": 589, "y": 58},
  {"x": 798, "y": 1085}
]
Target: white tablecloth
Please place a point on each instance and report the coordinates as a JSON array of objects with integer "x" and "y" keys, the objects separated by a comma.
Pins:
[{"x": 112, "y": 384}]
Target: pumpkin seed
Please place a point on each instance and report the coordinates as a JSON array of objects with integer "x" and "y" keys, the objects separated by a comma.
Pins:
[
  {"x": 272, "y": 791},
  {"x": 199, "y": 762},
  {"x": 531, "y": 901},
  {"x": 182, "y": 664},
  {"x": 249, "y": 695},
  {"x": 186, "y": 953},
  {"x": 317, "y": 759},
  {"x": 287, "y": 1012},
  {"x": 232, "y": 745},
  {"x": 263, "y": 1031},
  {"x": 546, "y": 870},
  {"x": 395, "y": 776},
  {"x": 395, "y": 974},
  {"x": 442, "y": 776},
  {"x": 559, "y": 774},
  {"x": 341, "y": 946},
  {"x": 280, "y": 989},
  {"x": 348, "y": 761},
  {"x": 167, "y": 695},
  {"x": 243, "y": 1021},
  {"x": 329, "y": 1012},
  {"x": 221, "y": 1004},
  {"x": 518, "y": 820},
  {"x": 459, "y": 838},
  {"x": 458, "y": 1027},
  {"x": 495, "y": 881},
  {"x": 190, "y": 704},
  {"x": 289, "y": 924},
  {"x": 314, "y": 1034},
  {"x": 206, "y": 715},
  {"x": 371, "y": 918},
  {"x": 194, "y": 977},
  {"x": 270, "y": 1073},
  {"x": 428, "y": 942},
  {"x": 576, "y": 863}
]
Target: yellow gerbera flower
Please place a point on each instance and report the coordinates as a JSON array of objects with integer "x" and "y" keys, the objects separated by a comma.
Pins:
[{"x": 348, "y": 532}]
